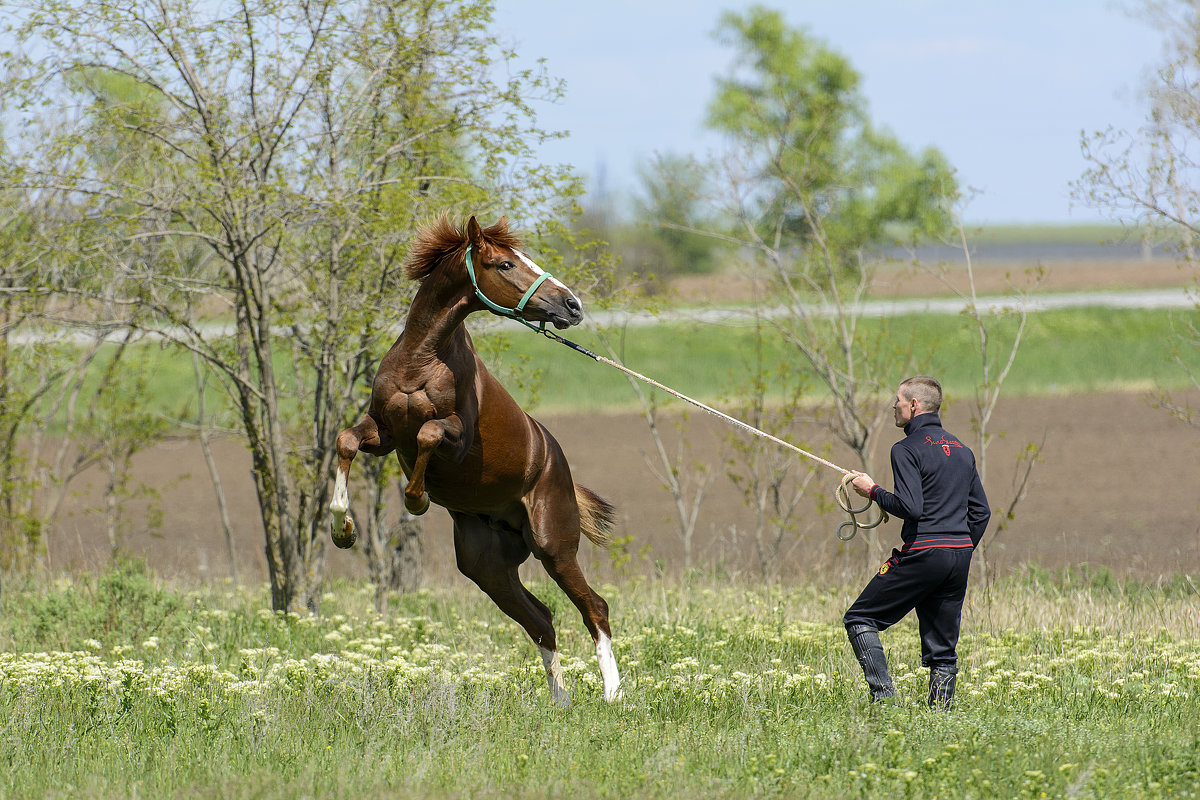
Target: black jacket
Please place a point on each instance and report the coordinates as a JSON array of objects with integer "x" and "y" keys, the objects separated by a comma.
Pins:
[{"x": 937, "y": 486}]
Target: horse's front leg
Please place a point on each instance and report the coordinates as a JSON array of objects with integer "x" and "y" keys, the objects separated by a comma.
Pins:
[
  {"x": 445, "y": 434},
  {"x": 364, "y": 436}
]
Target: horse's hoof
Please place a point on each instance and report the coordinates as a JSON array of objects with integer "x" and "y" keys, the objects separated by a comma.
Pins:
[
  {"x": 418, "y": 505},
  {"x": 347, "y": 536}
]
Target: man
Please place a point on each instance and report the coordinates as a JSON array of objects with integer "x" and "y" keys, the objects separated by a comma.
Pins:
[{"x": 940, "y": 498}]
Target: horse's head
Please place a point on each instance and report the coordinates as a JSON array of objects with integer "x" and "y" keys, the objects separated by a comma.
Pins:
[{"x": 510, "y": 284}]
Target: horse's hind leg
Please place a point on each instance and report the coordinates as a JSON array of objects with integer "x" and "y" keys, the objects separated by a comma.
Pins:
[
  {"x": 554, "y": 536},
  {"x": 490, "y": 558},
  {"x": 566, "y": 573},
  {"x": 364, "y": 436}
]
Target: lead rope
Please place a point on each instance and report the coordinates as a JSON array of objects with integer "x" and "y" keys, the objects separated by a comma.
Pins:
[{"x": 841, "y": 495}]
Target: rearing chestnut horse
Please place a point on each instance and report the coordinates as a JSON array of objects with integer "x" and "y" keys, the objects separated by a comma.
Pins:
[{"x": 465, "y": 444}]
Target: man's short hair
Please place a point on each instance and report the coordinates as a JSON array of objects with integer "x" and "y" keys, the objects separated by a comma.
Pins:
[{"x": 925, "y": 390}]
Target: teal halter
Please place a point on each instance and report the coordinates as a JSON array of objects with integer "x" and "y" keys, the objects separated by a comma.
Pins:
[{"x": 516, "y": 311}]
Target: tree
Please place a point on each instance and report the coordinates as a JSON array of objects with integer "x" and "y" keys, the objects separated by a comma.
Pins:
[
  {"x": 274, "y": 163},
  {"x": 1150, "y": 178},
  {"x": 811, "y": 188},
  {"x": 66, "y": 395},
  {"x": 824, "y": 178}
]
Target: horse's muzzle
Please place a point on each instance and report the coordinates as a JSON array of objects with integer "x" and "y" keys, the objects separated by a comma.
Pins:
[{"x": 566, "y": 313}]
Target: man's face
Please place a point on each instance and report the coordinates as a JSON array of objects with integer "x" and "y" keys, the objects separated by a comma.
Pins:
[{"x": 904, "y": 408}]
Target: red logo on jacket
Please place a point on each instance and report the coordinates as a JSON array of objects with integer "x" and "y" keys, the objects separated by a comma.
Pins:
[{"x": 945, "y": 443}]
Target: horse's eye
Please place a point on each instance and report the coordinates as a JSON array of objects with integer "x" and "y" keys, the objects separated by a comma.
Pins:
[{"x": 505, "y": 266}]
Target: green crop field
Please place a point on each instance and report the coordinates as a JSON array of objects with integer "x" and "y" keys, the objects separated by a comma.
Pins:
[
  {"x": 1062, "y": 352},
  {"x": 120, "y": 686},
  {"x": 1080, "y": 234}
]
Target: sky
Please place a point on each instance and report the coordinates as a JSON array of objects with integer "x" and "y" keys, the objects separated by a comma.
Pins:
[{"x": 1004, "y": 88}]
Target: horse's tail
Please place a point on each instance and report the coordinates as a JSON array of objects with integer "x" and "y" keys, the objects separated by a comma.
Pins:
[{"x": 596, "y": 516}]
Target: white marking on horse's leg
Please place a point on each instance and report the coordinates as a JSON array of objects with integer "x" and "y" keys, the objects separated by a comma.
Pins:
[
  {"x": 554, "y": 677},
  {"x": 341, "y": 497},
  {"x": 608, "y": 668},
  {"x": 339, "y": 504}
]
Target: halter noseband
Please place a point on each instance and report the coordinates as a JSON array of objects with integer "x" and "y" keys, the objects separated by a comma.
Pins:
[{"x": 515, "y": 312}]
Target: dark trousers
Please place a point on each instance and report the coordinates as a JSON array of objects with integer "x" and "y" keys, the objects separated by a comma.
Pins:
[{"x": 932, "y": 581}]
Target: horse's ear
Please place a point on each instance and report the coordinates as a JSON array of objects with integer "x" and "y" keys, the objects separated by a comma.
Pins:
[{"x": 474, "y": 233}]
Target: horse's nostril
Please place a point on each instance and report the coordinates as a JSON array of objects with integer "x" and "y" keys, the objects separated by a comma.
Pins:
[{"x": 573, "y": 305}]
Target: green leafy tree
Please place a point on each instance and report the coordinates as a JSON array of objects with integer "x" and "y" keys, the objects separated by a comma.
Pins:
[
  {"x": 275, "y": 161},
  {"x": 823, "y": 175},
  {"x": 811, "y": 189}
]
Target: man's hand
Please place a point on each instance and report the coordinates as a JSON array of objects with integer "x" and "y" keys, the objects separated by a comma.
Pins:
[{"x": 862, "y": 483}]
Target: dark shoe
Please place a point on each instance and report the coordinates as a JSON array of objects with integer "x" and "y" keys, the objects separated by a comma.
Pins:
[
  {"x": 941, "y": 687},
  {"x": 869, "y": 652}
]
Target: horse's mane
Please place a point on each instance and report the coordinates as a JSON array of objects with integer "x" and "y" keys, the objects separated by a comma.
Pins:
[{"x": 441, "y": 238}]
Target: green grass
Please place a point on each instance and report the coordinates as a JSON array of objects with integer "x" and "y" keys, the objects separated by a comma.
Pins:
[
  {"x": 120, "y": 686},
  {"x": 1062, "y": 352},
  {"x": 1083, "y": 234}
]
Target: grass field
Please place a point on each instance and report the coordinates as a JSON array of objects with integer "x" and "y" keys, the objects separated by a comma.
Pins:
[
  {"x": 118, "y": 686},
  {"x": 1074, "y": 685},
  {"x": 1064, "y": 351},
  {"x": 1039, "y": 234},
  {"x": 1080, "y": 234}
]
